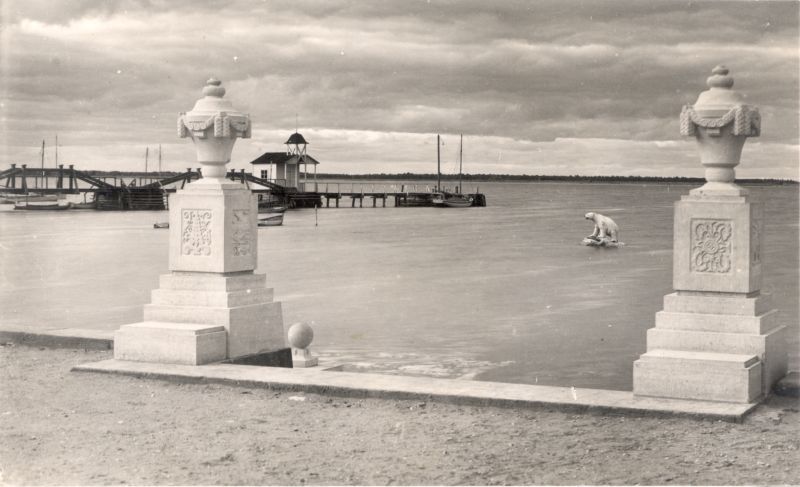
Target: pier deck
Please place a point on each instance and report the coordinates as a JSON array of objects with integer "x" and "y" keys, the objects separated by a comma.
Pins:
[{"x": 112, "y": 192}]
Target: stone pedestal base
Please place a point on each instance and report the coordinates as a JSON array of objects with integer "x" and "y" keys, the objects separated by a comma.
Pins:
[
  {"x": 717, "y": 245},
  {"x": 712, "y": 346},
  {"x": 301, "y": 357},
  {"x": 698, "y": 375},
  {"x": 238, "y": 304},
  {"x": 175, "y": 343}
]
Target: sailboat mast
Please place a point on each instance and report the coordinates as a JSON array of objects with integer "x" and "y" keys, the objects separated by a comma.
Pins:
[
  {"x": 42, "y": 165},
  {"x": 146, "y": 154},
  {"x": 438, "y": 164},
  {"x": 460, "y": 159},
  {"x": 56, "y": 150},
  {"x": 159, "y": 160}
]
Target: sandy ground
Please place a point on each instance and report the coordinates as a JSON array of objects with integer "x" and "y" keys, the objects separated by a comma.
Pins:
[{"x": 62, "y": 427}]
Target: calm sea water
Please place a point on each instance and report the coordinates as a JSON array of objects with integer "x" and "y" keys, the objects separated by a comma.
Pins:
[{"x": 502, "y": 293}]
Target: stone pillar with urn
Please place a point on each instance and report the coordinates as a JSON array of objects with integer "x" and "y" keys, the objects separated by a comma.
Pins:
[
  {"x": 717, "y": 338},
  {"x": 212, "y": 306}
]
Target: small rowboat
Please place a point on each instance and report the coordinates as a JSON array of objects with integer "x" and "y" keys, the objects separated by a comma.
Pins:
[
  {"x": 271, "y": 221},
  {"x": 458, "y": 202},
  {"x": 49, "y": 207},
  {"x": 161, "y": 225},
  {"x": 31, "y": 198},
  {"x": 271, "y": 209}
]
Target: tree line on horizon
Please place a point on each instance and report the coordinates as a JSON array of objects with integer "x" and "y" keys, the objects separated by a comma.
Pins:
[
  {"x": 543, "y": 177},
  {"x": 483, "y": 177}
]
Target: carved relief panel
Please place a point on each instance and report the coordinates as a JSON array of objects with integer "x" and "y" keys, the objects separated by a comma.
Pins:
[
  {"x": 755, "y": 242},
  {"x": 196, "y": 232},
  {"x": 242, "y": 235},
  {"x": 711, "y": 246}
]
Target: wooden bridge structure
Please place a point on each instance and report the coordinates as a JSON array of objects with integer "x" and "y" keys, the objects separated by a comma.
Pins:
[
  {"x": 150, "y": 192},
  {"x": 140, "y": 193}
]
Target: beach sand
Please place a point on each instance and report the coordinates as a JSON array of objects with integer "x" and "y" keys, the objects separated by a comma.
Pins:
[{"x": 62, "y": 427}]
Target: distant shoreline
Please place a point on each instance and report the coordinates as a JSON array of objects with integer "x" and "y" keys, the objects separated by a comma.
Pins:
[
  {"x": 488, "y": 178},
  {"x": 545, "y": 178}
]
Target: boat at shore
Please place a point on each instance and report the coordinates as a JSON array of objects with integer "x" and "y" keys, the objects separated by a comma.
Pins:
[
  {"x": 9, "y": 199},
  {"x": 91, "y": 205},
  {"x": 445, "y": 199},
  {"x": 458, "y": 201},
  {"x": 271, "y": 209},
  {"x": 271, "y": 221},
  {"x": 42, "y": 206}
]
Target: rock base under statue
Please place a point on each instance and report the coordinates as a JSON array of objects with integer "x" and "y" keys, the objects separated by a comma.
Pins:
[{"x": 190, "y": 307}]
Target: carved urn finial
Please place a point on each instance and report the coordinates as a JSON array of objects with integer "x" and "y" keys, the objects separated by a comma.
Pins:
[
  {"x": 721, "y": 122},
  {"x": 214, "y": 87},
  {"x": 213, "y": 124},
  {"x": 719, "y": 78}
]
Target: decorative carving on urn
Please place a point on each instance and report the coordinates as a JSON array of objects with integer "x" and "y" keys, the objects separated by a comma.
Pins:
[
  {"x": 746, "y": 121},
  {"x": 213, "y": 124},
  {"x": 721, "y": 122}
]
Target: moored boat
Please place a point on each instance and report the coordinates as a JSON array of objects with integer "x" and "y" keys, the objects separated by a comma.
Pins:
[
  {"x": 271, "y": 209},
  {"x": 30, "y": 198},
  {"x": 458, "y": 201},
  {"x": 446, "y": 199},
  {"x": 42, "y": 206},
  {"x": 91, "y": 205},
  {"x": 271, "y": 221}
]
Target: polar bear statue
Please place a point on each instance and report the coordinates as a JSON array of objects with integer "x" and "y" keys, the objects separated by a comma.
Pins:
[{"x": 605, "y": 229}]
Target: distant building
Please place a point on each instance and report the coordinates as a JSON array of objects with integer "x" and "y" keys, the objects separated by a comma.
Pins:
[{"x": 286, "y": 170}]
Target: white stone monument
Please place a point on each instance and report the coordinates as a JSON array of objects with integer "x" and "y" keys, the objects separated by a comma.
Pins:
[
  {"x": 212, "y": 306},
  {"x": 717, "y": 338}
]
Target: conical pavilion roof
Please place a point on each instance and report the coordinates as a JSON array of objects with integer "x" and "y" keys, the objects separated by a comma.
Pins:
[{"x": 296, "y": 138}]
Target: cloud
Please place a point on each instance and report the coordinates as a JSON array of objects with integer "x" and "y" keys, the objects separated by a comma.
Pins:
[{"x": 109, "y": 73}]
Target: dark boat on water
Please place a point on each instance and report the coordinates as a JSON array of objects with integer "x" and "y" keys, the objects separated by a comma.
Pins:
[
  {"x": 42, "y": 207},
  {"x": 447, "y": 199},
  {"x": 92, "y": 205}
]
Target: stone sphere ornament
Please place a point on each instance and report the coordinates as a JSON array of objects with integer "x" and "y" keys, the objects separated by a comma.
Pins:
[{"x": 300, "y": 335}]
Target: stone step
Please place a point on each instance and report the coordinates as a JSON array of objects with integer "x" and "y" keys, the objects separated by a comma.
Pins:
[
  {"x": 709, "y": 341},
  {"x": 770, "y": 347},
  {"x": 172, "y": 343},
  {"x": 206, "y": 281},
  {"x": 720, "y": 323},
  {"x": 210, "y": 315},
  {"x": 223, "y": 299},
  {"x": 698, "y": 375},
  {"x": 717, "y": 303}
]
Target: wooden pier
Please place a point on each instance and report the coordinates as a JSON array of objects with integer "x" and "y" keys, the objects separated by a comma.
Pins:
[
  {"x": 150, "y": 192},
  {"x": 108, "y": 192}
]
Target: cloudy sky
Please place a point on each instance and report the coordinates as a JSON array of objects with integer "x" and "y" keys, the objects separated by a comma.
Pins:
[{"x": 536, "y": 87}]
